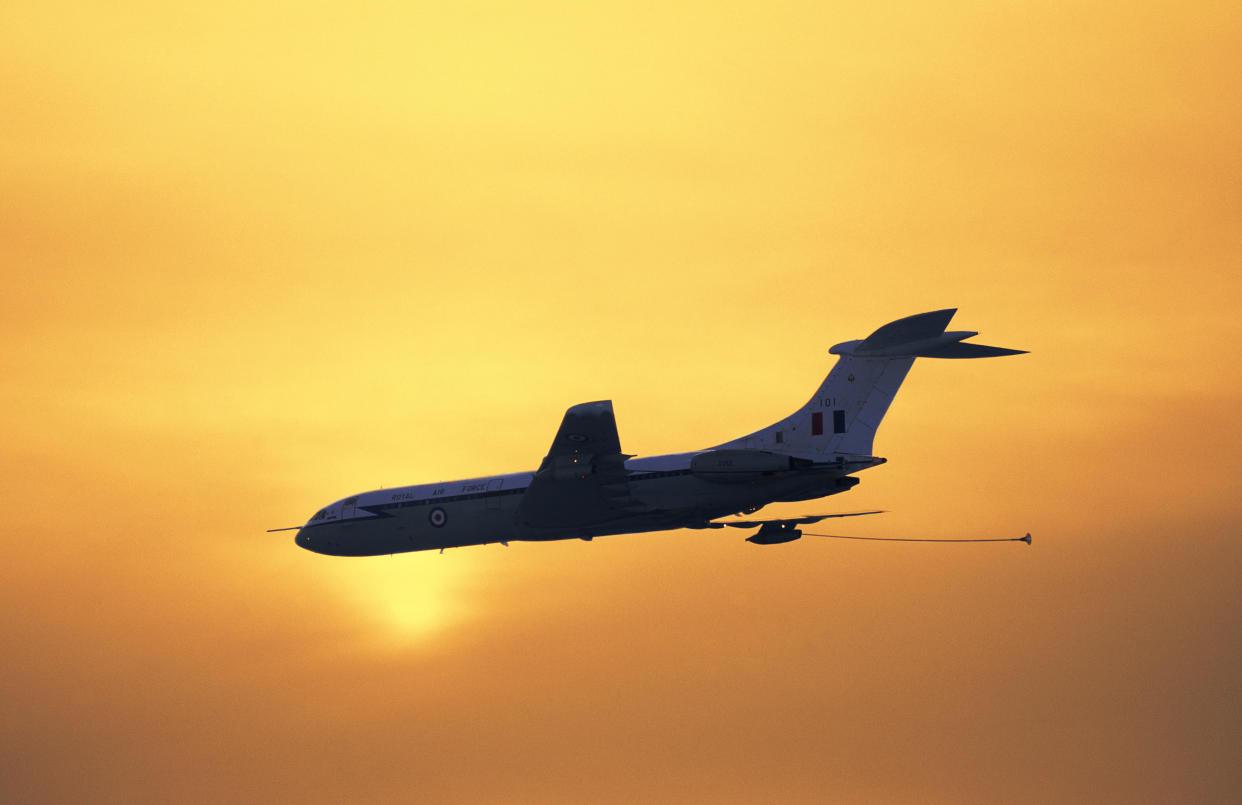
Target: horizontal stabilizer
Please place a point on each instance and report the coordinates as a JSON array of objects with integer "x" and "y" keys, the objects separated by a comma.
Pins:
[
  {"x": 908, "y": 330},
  {"x": 959, "y": 349},
  {"x": 921, "y": 336}
]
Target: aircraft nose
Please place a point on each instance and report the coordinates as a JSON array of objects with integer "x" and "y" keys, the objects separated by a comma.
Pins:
[{"x": 318, "y": 543}]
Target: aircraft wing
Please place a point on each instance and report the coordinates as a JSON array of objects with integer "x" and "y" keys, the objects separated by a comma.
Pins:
[
  {"x": 788, "y": 521},
  {"x": 582, "y": 481}
]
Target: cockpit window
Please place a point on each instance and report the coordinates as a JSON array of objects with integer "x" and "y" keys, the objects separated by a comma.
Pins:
[{"x": 319, "y": 515}]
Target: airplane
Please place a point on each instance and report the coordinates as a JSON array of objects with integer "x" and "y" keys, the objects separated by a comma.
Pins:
[{"x": 587, "y": 488}]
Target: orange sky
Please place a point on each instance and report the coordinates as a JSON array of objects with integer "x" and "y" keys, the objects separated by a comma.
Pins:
[{"x": 263, "y": 255}]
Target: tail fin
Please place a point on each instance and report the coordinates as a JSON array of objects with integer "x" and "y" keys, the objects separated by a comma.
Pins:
[{"x": 845, "y": 412}]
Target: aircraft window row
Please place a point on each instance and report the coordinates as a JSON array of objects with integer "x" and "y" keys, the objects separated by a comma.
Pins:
[{"x": 446, "y": 499}]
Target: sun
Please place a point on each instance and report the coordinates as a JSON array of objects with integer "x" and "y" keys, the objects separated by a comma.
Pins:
[{"x": 410, "y": 600}]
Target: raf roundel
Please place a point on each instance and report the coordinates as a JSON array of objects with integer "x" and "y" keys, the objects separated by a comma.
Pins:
[{"x": 437, "y": 517}]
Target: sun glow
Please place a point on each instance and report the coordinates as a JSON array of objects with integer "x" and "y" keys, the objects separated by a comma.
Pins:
[{"x": 411, "y": 599}]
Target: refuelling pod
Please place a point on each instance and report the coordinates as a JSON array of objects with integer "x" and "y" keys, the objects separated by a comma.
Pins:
[
  {"x": 775, "y": 534},
  {"x": 740, "y": 466}
]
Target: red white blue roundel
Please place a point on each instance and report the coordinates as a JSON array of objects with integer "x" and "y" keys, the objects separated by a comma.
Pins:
[{"x": 437, "y": 517}]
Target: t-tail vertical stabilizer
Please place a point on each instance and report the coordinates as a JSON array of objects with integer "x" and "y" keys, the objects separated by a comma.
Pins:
[{"x": 845, "y": 412}]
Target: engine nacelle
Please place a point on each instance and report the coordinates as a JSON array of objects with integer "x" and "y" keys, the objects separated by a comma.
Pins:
[
  {"x": 822, "y": 488},
  {"x": 739, "y": 466}
]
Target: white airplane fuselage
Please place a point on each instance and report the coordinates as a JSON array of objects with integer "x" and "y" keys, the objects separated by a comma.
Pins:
[{"x": 478, "y": 511}]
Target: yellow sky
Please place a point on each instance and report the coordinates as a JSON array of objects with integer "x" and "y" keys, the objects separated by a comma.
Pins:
[{"x": 263, "y": 255}]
